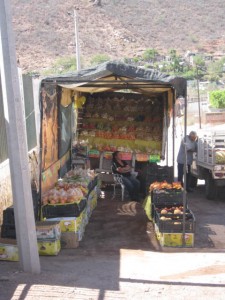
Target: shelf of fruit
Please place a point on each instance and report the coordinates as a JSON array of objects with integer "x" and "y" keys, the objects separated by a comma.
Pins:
[{"x": 120, "y": 121}]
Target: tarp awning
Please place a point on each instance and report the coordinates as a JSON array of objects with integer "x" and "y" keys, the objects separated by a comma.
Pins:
[{"x": 116, "y": 75}]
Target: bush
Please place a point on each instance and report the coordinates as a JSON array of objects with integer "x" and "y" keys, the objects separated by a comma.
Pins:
[
  {"x": 99, "y": 58},
  {"x": 217, "y": 99},
  {"x": 62, "y": 65},
  {"x": 150, "y": 54}
]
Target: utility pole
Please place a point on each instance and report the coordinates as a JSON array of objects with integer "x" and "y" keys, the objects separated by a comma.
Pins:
[
  {"x": 76, "y": 28},
  {"x": 17, "y": 146},
  {"x": 199, "y": 105}
]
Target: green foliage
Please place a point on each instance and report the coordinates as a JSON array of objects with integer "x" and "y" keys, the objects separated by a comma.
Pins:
[
  {"x": 150, "y": 54},
  {"x": 62, "y": 65},
  {"x": 136, "y": 59},
  {"x": 189, "y": 74},
  {"x": 217, "y": 99},
  {"x": 199, "y": 61},
  {"x": 172, "y": 53},
  {"x": 215, "y": 70},
  {"x": 99, "y": 59}
]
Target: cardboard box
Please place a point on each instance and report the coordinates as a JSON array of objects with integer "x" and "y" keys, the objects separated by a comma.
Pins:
[
  {"x": 69, "y": 224},
  {"x": 48, "y": 230},
  {"x": 91, "y": 202},
  {"x": 69, "y": 240},
  {"x": 49, "y": 247},
  {"x": 174, "y": 239},
  {"x": 9, "y": 250}
]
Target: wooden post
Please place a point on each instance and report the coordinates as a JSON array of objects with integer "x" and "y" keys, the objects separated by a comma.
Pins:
[{"x": 17, "y": 146}]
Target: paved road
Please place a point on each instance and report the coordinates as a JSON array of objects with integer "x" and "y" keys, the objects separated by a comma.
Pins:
[{"x": 120, "y": 259}]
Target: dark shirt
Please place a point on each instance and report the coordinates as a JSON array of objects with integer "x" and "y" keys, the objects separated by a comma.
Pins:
[{"x": 116, "y": 165}]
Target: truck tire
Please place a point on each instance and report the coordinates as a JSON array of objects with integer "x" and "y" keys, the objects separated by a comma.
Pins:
[
  {"x": 193, "y": 182},
  {"x": 210, "y": 187}
]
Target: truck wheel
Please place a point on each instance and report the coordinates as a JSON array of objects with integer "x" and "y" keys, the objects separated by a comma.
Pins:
[
  {"x": 194, "y": 181},
  {"x": 210, "y": 187}
]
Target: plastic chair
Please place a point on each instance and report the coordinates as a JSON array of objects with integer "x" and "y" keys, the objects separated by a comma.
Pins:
[
  {"x": 118, "y": 181},
  {"x": 104, "y": 170}
]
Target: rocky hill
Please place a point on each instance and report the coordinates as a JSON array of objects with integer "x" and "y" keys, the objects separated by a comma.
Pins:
[{"x": 119, "y": 28}]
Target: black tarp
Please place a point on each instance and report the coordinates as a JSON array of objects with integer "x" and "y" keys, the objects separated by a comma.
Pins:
[{"x": 119, "y": 69}]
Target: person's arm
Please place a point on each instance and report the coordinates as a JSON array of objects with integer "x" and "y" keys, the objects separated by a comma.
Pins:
[{"x": 124, "y": 169}]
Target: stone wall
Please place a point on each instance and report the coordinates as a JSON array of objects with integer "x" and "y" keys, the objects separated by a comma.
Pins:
[{"x": 215, "y": 117}]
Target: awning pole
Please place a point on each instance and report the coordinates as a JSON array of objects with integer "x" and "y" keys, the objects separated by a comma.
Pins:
[{"x": 185, "y": 169}]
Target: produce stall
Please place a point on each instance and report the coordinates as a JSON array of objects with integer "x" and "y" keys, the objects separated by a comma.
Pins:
[
  {"x": 110, "y": 107},
  {"x": 91, "y": 113}
]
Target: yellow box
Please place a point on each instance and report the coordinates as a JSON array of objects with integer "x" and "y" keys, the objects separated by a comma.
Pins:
[
  {"x": 174, "y": 239},
  {"x": 9, "y": 250},
  {"x": 91, "y": 206},
  {"x": 49, "y": 247},
  {"x": 69, "y": 224}
]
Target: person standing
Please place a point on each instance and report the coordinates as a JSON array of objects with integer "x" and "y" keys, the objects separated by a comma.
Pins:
[{"x": 191, "y": 145}]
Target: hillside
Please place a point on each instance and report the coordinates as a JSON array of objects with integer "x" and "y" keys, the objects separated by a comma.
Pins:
[{"x": 119, "y": 28}]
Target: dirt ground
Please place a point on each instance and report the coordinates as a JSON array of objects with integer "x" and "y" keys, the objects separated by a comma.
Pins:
[{"x": 120, "y": 258}]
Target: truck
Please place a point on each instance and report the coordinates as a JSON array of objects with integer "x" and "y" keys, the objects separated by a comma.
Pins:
[{"x": 209, "y": 162}]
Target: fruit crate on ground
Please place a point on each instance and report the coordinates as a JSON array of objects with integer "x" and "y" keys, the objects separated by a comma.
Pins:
[
  {"x": 9, "y": 250},
  {"x": 49, "y": 247},
  {"x": 160, "y": 171},
  {"x": 8, "y": 231},
  {"x": 175, "y": 239},
  {"x": 170, "y": 219},
  {"x": 8, "y": 216}
]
